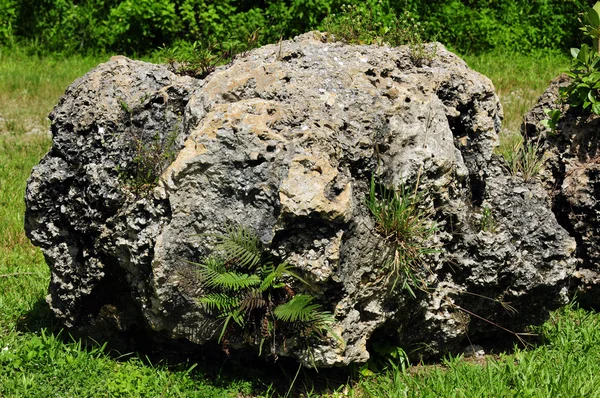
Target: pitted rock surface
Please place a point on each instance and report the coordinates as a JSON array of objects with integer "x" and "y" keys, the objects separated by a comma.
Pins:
[
  {"x": 284, "y": 141},
  {"x": 571, "y": 176}
]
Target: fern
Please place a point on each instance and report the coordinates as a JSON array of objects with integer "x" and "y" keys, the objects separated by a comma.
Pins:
[
  {"x": 241, "y": 246},
  {"x": 219, "y": 301},
  {"x": 245, "y": 286},
  {"x": 298, "y": 309},
  {"x": 273, "y": 274},
  {"x": 253, "y": 300},
  {"x": 234, "y": 281}
]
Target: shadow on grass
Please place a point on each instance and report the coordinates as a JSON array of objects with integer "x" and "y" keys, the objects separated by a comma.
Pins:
[
  {"x": 39, "y": 317},
  {"x": 210, "y": 364}
]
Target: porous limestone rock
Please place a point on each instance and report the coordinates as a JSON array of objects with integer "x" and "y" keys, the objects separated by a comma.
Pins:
[
  {"x": 571, "y": 176},
  {"x": 284, "y": 140}
]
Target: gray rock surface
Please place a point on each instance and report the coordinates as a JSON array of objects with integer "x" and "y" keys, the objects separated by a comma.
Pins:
[
  {"x": 572, "y": 179},
  {"x": 284, "y": 141}
]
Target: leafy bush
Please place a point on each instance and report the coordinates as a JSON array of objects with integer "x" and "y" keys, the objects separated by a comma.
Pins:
[
  {"x": 8, "y": 14},
  {"x": 583, "y": 92},
  {"x": 141, "y": 26},
  {"x": 477, "y": 26},
  {"x": 247, "y": 287}
]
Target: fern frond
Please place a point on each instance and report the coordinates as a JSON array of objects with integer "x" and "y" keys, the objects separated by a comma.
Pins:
[
  {"x": 219, "y": 301},
  {"x": 211, "y": 268},
  {"x": 236, "y": 316},
  {"x": 276, "y": 273},
  {"x": 253, "y": 300},
  {"x": 298, "y": 309},
  {"x": 213, "y": 275},
  {"x": 241, "y": 245},
  {"x": 234, "y": 281}
]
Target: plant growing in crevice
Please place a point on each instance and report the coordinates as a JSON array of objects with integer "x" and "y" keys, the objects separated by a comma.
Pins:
[
  {"x": 150, "y": 155},
  {"x": 402, "y": 220},
  {"x": 250, "y": 289},
  {"x": 525, "y": 159},
  {"x": 199, "y": 59},
  {"x": 487, "y": 222}
]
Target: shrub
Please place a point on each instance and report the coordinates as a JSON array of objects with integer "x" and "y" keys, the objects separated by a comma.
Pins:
[
  {"x": 583, "y": 92},
  {"x": 8, "y": 14}
]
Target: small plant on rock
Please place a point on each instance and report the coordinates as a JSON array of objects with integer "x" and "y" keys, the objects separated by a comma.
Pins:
[
  {"x": 198, "y": 59},
  {"x": 524, "y": 159},
  {"x": 403, "y": 221},
  {"x": 250, "y": 290},
  {"x": 149, "y": 158}
]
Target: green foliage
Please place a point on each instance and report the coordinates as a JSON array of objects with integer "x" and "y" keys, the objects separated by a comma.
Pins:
[
  {"x": 583, "y": 92},
  {"x": 402, "y": 220},
  {"x": 139, "y": 27},
  {"x": 374, "y": 23},
  {"x": 243, "y": 286},
  {"x": 8, "y": 14},
  {"x": 150, "y": 156},
  {"x": 487, "y": 222},
  {"x": 524, "y": 159},
  {"x": 477, "y": 26},
  {"x": 553, "y": 118}
]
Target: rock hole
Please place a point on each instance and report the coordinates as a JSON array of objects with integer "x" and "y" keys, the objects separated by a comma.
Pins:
[
  {"x": 383, "y": 148},
  {"x": 289, "y": 57},
  {"x": 477, "y": 189},
  {"x": 370, "y": 72},
  {"x": 271, "y": 148},
  {"x": 407, "y": 100}
]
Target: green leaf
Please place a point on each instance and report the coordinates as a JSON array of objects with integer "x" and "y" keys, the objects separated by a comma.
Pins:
[
  {"x": 241, "y": 246},
  {"x": 213, "y": 275},
  {"x": 283, "y": 269},
  {"x": 219, "y": 301},
  {"x": 575, "y": 52},
  {"x": 584, "y": 54},
  {"x": 298, "y": 309},
  {"x": 234, "y": 281},
  {"x": 593, "y": 17}
]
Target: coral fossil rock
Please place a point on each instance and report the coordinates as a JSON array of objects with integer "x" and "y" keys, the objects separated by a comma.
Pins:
[
  {"x": 284, "y": 141},
  {"x": 571, "y": 176}
]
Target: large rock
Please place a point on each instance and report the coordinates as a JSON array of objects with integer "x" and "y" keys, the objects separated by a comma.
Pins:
[
  {"x": 284, "y": 141},
  {"x": 571, "y": 176}
]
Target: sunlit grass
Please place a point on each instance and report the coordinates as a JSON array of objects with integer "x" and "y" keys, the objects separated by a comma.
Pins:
[
  {"x": 566, "y": 366},
  {"x": 519, "y": 81},
  {"x": 30, "y": 86}
]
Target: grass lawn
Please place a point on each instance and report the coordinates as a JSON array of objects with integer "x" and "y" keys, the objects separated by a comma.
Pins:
[{"x": 36, "y": 360}]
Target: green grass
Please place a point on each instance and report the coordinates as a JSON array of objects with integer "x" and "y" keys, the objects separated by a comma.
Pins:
[
  {"x": 30, "y": 87},
  {"x": 566, "y": 366},
  {"x": 35, "y": 362},
  {"x": 519, "y": 81}
]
